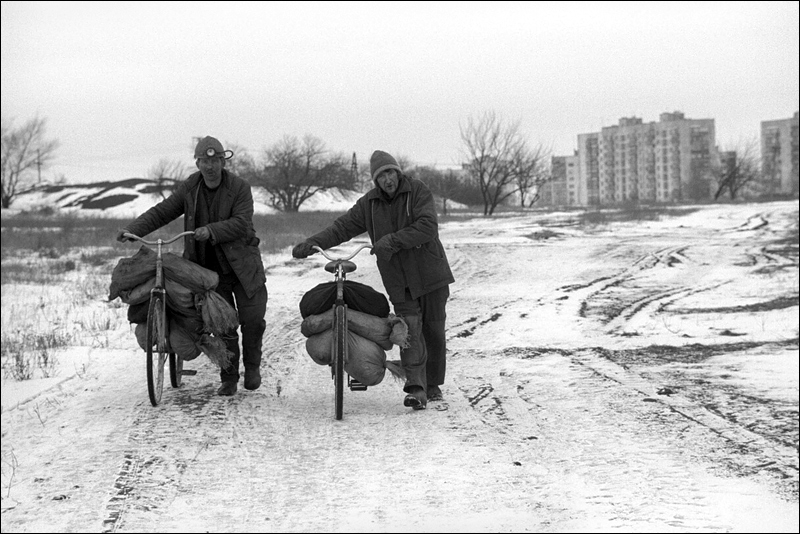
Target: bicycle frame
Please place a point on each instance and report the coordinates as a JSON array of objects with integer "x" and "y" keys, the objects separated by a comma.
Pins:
[
  {"x": 340, "y": 267},
  {"x": 157, "y": 328}
]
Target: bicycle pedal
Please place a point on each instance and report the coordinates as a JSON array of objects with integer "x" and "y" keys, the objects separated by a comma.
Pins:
[
  {"x": 188, "y": 372},
  {"x": 357, "y": 386}
]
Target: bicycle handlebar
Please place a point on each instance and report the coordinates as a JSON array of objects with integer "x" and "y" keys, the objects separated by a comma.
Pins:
[
  {"x": 162, "y": 241},
  {"x": 351, "y": 256}
]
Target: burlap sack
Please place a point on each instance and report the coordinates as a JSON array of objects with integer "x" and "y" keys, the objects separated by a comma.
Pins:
[
  {"x": 137, "y": 313},
  {"x": 384, "y": 331},
  {"x": 195, "y": 278},
  {"x": 179, "y": 298},
  {"x": 219, "y": 317},
  {"x": 130, "y": 272},
  {"x": 138, "y": 294},
  {"x": 366, "y": 359},
  {"x": 182, "y": 342},
  {"x": 316, "y": 324},
  {"x": 141, "y": 337},
  {"x": 192, "y": 324},
  {"x": 320, "y": 347},
  {"x": 216, "y": 351}
]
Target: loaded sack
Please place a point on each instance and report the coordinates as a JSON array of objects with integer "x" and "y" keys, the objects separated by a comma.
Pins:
[
  {"x": 372, "y": 330},
  {"x": 198, "y": 317}
]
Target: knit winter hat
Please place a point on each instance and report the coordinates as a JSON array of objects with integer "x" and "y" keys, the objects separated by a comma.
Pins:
[
  {"x": 208, "y": 147},
  {"x": 380, "y": 161}
]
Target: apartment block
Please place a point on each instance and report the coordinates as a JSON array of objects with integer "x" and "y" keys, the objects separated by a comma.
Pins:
[
  {"x": 779, "y": 155},
  {"x": 664, "y": 161},
  {"x": 565, "y": 187}
]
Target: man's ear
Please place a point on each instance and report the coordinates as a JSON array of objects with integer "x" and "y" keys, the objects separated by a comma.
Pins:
[{"x": 197, "y": 163}]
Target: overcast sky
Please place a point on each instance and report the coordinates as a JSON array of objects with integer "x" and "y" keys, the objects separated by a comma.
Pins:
[{"x": 125, "y": 84}]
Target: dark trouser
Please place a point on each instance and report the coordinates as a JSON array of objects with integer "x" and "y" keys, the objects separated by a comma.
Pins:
[
  {"x": 424, "y": 359},
  {"x": 251, "y": 320}
]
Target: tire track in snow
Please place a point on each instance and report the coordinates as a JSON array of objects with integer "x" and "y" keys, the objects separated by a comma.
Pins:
[
  {"x": 650, "y": 304},
  {"x": 163, "y": 440},
  {"x": 166, "y": 440},
  {"x": 573, "y": 409}
]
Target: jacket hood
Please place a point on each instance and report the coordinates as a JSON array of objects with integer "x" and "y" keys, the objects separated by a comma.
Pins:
[{"x": 380, "y": 161}]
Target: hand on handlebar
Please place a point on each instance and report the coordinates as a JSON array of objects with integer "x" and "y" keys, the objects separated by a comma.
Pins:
[
  {"x": 303, "y": 250},
  {"x": 202, "y": 234},
  {"x": 124, "y": 235},
  {"x": 121, "y": 236}
]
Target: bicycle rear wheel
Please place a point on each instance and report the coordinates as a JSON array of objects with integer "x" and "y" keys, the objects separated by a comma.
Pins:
[
  {"x": 175, "y": 370},
  {"x": 339, "y": 356},
  {"x": 156, "y": 356}
]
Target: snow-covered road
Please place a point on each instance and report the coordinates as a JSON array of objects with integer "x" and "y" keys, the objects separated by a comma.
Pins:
[{"x": 635, "y": 377}]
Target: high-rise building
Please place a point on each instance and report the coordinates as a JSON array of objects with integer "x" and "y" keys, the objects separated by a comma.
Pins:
[
  {"x": 564, "y": 189},
  {"x": 779, "y": 153},
  {"x": 669, "y": 160},
  {"x": 589, "y": 168}
]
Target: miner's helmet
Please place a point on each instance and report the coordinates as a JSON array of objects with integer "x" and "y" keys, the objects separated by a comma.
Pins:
[{"x": 209, "y": 147}]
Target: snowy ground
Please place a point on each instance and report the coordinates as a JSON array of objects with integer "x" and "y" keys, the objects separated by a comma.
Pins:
[{"x": 635, "y": 377}]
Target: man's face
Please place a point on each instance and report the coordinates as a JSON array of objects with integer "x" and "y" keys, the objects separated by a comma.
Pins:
[
  {"x": 387, "y": 181},
  {"x": 211, "y": 168}
]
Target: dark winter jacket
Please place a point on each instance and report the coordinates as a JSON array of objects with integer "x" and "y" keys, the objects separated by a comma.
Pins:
[
  {"x": 233, "y": 231},
  {"x": 419, "y": 262}
]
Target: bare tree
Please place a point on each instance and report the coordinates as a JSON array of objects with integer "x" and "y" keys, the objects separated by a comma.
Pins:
[
  {"x": 738, "y": 170},
  {"x": 364, "y": 180},
  {"x": 404, "y": 162},
  {"x": 23, "y": 149},
  {"x": 532, "y": 173},
  {"x": 295, "y": 171},
  {"x": 443, "y": 184},
  {"x": 167, "y": 174},
  {"x": 242, "y": 164},
  {"x": 498, "y": 157}
]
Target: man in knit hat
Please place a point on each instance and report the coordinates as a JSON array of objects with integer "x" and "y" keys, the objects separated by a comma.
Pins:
[
  {"x": 218, "y": 207},
  {"x": 400, "y": 217}
]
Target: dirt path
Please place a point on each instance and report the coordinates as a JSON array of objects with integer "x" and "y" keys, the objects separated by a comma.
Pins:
[{"x": 554, "y": 419}]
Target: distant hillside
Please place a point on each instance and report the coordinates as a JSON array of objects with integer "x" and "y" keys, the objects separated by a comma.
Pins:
[{"x": 132, "y": 197}]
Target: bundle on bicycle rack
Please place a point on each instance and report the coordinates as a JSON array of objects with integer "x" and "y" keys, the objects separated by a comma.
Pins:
[
  {"x": 198, "y": 316},
  {"x": 357, "y": 296},
  {"x": 369, "y": 335}
]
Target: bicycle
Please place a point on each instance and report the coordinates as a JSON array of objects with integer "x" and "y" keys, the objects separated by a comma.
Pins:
[
  {"x": 340, "y": 267},
  {"x": 157, "y": 329}
]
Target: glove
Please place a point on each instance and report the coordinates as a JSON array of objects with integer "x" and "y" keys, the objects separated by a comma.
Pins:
[
  {"x": 303, "y": 250},
  {"x": 384, "y": 248},
  {"x": 202, "y": 233},
  {"x": 121, "y": 238}
]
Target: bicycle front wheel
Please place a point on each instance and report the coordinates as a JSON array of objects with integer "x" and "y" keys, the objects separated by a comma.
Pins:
[
  {"x": 156, "y": 348},
  {"x": 339, "y": 356},
  {"x": 175, "y": 370}
]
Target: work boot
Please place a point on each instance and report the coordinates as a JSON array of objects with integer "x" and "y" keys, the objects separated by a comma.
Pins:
[
  {"x": 227, "y": 388},
  {"x": 252, "y": 379},
  {"x": 434, "y": 394},
  {"x": 416, "y": 398}
]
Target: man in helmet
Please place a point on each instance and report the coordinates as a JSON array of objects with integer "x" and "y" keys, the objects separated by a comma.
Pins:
[
  {"x": 218, "y": 207},
  {"x": 400, "y": 217}
]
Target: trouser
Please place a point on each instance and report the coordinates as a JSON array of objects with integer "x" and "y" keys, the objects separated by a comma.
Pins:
[
  {"x": 251, "y": 311},
  {"x": 424, "y": 359}
]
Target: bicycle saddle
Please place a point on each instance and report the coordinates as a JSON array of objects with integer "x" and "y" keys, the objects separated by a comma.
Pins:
[{"x": 347, "y": 266}]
